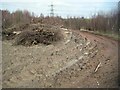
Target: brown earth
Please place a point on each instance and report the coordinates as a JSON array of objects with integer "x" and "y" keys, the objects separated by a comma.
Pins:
[
  {"x": 81, "y": 60},
  {"x": 107, "y": 76}
]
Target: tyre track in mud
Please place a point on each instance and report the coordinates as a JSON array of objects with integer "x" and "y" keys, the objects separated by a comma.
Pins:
[{"x": 107, "y": 76}]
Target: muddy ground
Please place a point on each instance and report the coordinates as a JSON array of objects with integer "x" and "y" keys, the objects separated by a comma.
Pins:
[{"x": 80, "y": 60}]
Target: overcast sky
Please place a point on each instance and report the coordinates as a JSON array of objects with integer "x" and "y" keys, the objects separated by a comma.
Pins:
[{"x": 62, "y": 8}]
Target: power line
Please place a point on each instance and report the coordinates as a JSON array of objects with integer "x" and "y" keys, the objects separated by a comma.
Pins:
[{"x": 52, "y": 10}]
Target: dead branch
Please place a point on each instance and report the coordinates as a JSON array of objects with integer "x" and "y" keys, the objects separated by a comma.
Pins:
[{"x": 98, "y": 66}]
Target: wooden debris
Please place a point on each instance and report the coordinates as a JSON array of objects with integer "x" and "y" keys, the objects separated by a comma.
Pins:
[{"x": 98, "y": 66}]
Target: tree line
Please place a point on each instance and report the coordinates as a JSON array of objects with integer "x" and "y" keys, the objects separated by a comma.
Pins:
[
  {"x": 17, "y": 17},
  {"x": 101, "y": 22}
]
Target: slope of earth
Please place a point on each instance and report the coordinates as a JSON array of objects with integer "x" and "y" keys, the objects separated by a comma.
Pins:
[{"x": 80, "y": 60}]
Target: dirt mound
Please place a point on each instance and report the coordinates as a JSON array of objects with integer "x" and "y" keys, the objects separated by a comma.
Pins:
[
  {"x": 33, "y": 37},
  {"x": 10, "y": 33},
  {"x": 32, "y": 34}
]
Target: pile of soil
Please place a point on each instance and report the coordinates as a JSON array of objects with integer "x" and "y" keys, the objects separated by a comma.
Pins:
[
  {"x": 28, "y": 38},
  {"x": 8, "y": 34},
  {"x": 32, "y": 34}
]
